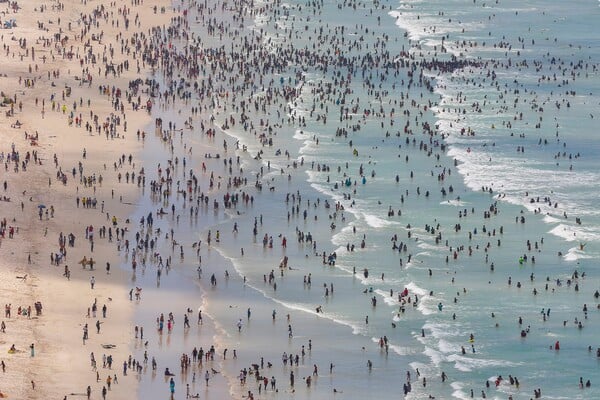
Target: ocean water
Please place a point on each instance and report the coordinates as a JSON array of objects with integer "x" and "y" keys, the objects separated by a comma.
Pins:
[{"x": 447, "y": 113}]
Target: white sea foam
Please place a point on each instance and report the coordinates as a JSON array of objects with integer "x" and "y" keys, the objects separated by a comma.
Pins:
[
  {"x": 458, "y": 392},
  {"x": 421, "y": 25},
  {"x": 426, "y": 246},
  {"x": 422, "y": 254},
  {"x": 402, "y": 350},
  {"x": 345, "y": 235},
  {"x": 413, "y": 288},
  {"x": 549, "y": 219},
  {"x": 575, "y": 253},
  {"x": 357, "y": 328},
  {"x": 441, "y": 330},
  {"x": 456, "y": 203},
  {"x": 426, "y": 305},
  {"x": 390, "y": 301},
  {"x": 435, "y": 356},
  {"x": 447, "y": 347},
  {"x": 466, "y": 364},
  {"x": 376, "y": 222},
  {"x": 571, "y": 233}
]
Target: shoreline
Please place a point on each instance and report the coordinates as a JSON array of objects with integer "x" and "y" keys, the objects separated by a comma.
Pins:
[{"x": 183, "y": 225}]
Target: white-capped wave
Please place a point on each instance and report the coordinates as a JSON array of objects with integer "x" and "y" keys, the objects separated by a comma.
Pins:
[
  {"x": 375, "y": 222},
  {"x": 467, "y": 364}
]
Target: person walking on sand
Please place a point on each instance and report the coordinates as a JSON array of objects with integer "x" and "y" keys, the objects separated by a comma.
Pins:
[
  {"x": 206, "y": 377},
  {"x": 92, "y": 282},
  {"x": 85, "y": 333}
]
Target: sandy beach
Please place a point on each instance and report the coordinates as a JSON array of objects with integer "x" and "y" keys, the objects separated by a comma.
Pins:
[{"x": 48, "y": 103}]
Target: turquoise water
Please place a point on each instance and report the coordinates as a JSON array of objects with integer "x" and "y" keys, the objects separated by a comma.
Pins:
[{"x": 383, "y": 99}]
